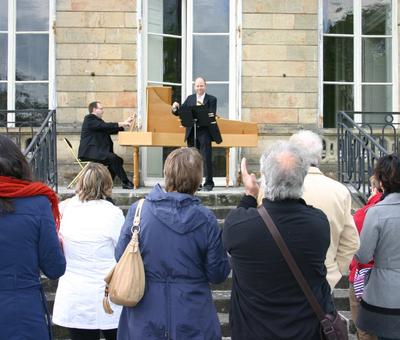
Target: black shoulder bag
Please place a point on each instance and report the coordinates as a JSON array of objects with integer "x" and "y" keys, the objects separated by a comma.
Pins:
[{"x": 332, "y": 326}]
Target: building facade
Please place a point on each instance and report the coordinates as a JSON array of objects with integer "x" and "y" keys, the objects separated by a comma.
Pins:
[{"x": 284, "y": 64}]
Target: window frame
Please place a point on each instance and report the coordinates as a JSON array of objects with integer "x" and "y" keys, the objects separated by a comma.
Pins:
[
  {"x": 357, "y": 82},
  {"x": 235, "y": 55},
  {"x": 11, "y": 58}
]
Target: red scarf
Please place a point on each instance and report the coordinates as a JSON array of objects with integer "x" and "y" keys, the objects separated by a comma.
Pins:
[{"x": 13, "y": 188}]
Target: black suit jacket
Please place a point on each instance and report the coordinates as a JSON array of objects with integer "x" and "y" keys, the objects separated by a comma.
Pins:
[
  {"x": 96, "y": 142},
  {"x": 211, "y": 103}
]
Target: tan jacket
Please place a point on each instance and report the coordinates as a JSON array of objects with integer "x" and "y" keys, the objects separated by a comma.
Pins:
[{"x": 334, "y": 200}]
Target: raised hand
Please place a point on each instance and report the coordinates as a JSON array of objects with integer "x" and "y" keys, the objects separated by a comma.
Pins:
[{"x": 251, "y": 186}]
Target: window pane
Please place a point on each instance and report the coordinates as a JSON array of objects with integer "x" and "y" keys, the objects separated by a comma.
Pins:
[
  {"x": 211, "y": 57},
  {"x": 31, "y": 96},
  {"x": 3, "y": 96},
  {"x": 336, "y": 98},
  {"x": 3, "y": 56},
  {"x": 164, "y": 59},
  {"x": 164, "y": 16},
  {"x": 338, "y": 59},
  {"x": 377, "y": 59},
  {"x": 377, "y": 98},
  {"x": 32, "y": 15},
  {"x": 377, "y": 17},
  {"x": 221, "y": 91},
  {"x": 32, "y": 54},
  {"x": 338, "y": 16},
  {"x": 211, "y": 16},
  {"x": 3, "y": 15}
]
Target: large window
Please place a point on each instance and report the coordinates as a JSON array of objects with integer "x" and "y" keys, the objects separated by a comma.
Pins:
[
  {"x": 184, "y": 40},
  {"x": 359, "y": 72},
  {"x": 24, "y": 55}
]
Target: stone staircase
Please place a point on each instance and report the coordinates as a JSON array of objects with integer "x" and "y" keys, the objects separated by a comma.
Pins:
[{"x": 220, "y": 201}]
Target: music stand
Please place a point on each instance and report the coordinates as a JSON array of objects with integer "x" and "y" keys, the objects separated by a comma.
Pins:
[{"x": 196, "y": 116}]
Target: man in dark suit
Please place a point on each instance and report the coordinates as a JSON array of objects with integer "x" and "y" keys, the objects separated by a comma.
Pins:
[
  {"x": 204, "y": 134},
  {"x": 96, "y": 144}
]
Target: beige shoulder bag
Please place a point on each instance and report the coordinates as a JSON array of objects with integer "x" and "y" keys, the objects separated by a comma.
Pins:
[{"x": 126, "y": 281}]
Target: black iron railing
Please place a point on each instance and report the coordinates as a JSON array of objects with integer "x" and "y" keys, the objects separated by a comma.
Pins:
[
  {"x": 36, "y": 135},
  {"x": 362, "y": 138}
]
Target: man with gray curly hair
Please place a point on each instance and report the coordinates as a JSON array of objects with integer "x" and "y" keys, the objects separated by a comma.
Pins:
[
  {"x": 266, "y": 300},
  {"x": 335, "y": 202}
]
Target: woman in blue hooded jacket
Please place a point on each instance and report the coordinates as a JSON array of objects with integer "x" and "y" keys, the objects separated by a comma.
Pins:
[{"x": 182, "y": 252}]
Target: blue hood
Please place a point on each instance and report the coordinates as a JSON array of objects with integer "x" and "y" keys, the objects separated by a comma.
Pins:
[{"x": 182, "y": 213}]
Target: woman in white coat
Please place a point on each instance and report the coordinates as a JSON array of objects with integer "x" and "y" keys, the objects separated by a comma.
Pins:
[{"x": 90, "y": 227}]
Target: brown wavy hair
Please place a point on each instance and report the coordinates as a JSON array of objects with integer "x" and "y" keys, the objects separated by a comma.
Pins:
[{"x": 183, "y": 170}]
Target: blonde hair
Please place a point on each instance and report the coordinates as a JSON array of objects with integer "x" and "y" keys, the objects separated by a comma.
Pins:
[
  {"x": 95, "y": 183},
  {"x": 183, "y": 170}
]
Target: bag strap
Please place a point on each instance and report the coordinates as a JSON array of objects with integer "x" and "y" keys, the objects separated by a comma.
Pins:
[
  {"x": 291, "y": 263},
  {"x": 136, "y": 219}
]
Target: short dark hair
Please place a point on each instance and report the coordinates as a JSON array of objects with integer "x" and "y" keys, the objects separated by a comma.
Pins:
[
  {"x": 92, "y": 106},
  {"x": 387, "y": 172},
  {"x": 183, "y": 170},
  {"x": 12, "y": 164}
]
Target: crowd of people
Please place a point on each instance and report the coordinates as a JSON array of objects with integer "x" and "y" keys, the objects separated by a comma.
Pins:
[{"x": 184, "y": 250}]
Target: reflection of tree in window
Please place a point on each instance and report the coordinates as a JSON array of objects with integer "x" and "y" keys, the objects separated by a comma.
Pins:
[
  {"x": 376, "y": 19},
  {"x": 340, "y": 21},
  {"x": 172, "y": 17}
]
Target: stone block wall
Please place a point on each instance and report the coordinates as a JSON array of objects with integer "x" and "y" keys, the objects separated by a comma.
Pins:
[
  {"x": 95, "y": 60},
  {"x": 279, "y": 68}
]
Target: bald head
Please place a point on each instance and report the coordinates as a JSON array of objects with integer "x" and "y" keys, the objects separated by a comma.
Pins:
[{"x": 200, "y": 86}]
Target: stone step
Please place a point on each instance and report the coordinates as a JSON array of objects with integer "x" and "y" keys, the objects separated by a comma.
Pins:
[
  {"x": 222, "y": 300},
  {"x": 219, "y": 212},
  {"x": 219, "y": 197},
  {"x": 227, "y": 284}
]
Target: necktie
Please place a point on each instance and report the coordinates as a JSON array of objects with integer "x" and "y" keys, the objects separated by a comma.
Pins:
[{"x": 199, "y": 103}]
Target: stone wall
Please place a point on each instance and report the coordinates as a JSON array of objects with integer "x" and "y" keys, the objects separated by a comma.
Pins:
[
  {"x": 280, "y": 68},
  {"x": 95, "y": 60}
]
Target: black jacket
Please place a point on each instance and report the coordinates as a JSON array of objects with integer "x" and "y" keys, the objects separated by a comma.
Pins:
[
  {"x": 211, "y": 103},
  {"x": 96, "y": 142},
  {"x": 266, "y": 300}
]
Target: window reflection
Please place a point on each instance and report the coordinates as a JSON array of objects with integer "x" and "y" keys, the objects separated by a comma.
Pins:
[
  {"x": 164, "y": 17},
  {"x": 377, "y": 17},
  {"x": 164, "y": 63},
  {"x": 3, "y": 96},
  {"x": 31, "y": 96},
  {"x": 32, "y": 57},
  {"x": 377, "y": 98},
  {"x": 338, "y": 16},
  {"x": 221, "y": 92},
  {"x": 211, "y": 57},
  {"x": 32, "y": 15},
  {"x": 217, "y": 14},
  {"x": 3, "y": 15},
  {"x": 336, "y": 98},
  {"x": 377, "y": 60},
  {"x": 338, "y": 58},
  {"x": 3, "y": 56}
]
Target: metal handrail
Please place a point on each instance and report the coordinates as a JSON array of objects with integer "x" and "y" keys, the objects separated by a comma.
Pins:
[
  {"x": 360, "y": 145},
  {"x": 41, "y": 153}
]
